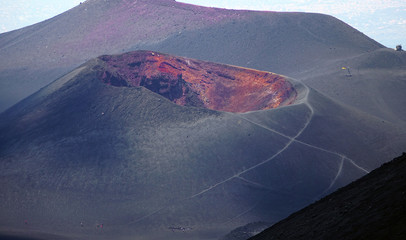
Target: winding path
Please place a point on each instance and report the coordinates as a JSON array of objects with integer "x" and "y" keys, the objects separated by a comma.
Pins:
[{"x": 291, "y": 140}]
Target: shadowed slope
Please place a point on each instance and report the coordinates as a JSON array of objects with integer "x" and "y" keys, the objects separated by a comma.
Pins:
[
  {"x": 27, "y": 235},
  {"x": 372, "y": 207},
  {"x": 285, "y": 43},
  {"x": 80, "y": 150}
]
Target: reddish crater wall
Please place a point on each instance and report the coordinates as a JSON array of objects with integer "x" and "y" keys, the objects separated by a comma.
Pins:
[{"x": 190, "y": 82}]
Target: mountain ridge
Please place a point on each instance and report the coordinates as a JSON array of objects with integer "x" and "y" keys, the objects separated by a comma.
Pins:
[{"x": 38, "y": 54}]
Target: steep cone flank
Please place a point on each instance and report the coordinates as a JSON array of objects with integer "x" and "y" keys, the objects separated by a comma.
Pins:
[
  {"x": 190, "y": 82},
  {"x": 92, "y": 150}
]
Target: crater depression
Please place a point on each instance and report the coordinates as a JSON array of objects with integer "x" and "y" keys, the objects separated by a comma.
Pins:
[{"x": 190, "y": 82}]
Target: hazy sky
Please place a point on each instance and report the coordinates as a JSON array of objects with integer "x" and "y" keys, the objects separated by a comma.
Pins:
[{"x": 382, "y": 20}]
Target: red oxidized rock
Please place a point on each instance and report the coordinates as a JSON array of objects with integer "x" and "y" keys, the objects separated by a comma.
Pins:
[{"x": 190, "y": 82}]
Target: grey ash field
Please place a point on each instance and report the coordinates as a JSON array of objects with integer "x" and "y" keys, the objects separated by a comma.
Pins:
[{"x": 78, "y": 150}]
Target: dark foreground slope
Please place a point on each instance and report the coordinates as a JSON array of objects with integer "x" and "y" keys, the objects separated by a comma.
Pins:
[
  {"x": 286, "y": 43},
  {"x": 84, "y": 151},
  {"x": 373, "y": 207}
]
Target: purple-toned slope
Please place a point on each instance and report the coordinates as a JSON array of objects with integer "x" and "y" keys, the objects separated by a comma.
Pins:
[
  {"x": 284, "y": 43},
  {"x": 97, "y": 27}
]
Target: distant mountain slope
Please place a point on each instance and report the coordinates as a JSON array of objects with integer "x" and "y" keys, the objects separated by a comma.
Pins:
[
  {"x": 372, "y": 207},
  {"x": 376, "y": 83},
  {"x": 286, "y": 43},
  {"x": 83, "y": 150}
]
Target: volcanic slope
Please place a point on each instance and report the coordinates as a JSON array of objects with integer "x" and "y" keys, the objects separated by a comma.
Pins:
[
  {"x": 374, "y": 82},
  {"x": 82, "y": 152},
  {"x": 372, "y": 207},
  {"x": 286, "y": 43}
]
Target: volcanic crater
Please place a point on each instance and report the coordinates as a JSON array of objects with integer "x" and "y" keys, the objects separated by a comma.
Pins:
[{"x": 190, "y": 82}]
